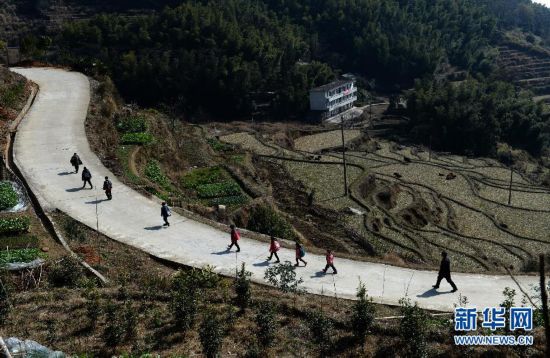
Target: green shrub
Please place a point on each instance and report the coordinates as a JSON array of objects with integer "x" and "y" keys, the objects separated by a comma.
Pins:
[
  {"x": 265, "y": 320},
  {"x": 8, "y": 196},
  {"x": 211, "y": 334},
  {"x": 10, "y": 94},
  {"x": 219, "y": 146},
  {"x": 283, "y": 277},
  {"x": 19, "y": 255},
  {"x": 225, "y": 188},
  {"x": 321, "y": 329},
  {"x": 19, "y": 242},
  {"x": 267, "y": 220},
  {"x": 154, "y": 173},
  {"x": 115, "y": 327},
  {"x": 362, "y": 316},
  {"x": 201, "y": 176},
  {"x": 413, "y": 329},
  {"x": 242, "y": 288},
  {"x": 187, "y": 289},
  {"x": 132, "y": 124},
  {"x": 14, "y": 225},
  {"x": 137, "y": 138},
  {"x": 65, "y": 273}
]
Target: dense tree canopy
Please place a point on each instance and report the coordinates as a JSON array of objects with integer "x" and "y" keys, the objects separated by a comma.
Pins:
[
  {"x": 209, "y": 56},
  {"x": 471, "y": 117}
]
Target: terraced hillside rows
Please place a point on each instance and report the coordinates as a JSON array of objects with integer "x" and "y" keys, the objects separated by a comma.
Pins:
[
  {"x": 415, "y": 205},
  {"x": 528, "y": 69}
]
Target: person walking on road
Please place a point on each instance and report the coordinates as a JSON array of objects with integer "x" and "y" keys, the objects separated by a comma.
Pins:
[
  {"x": 165, "y": 213},
  {"x": 87, "y": 178},
  {"x": 300, "y": 253},
  {"x": 235, "y": 236},
  {"x": 274, "y": 246},
  {"x": 445, "y": 272},
  {"x": 75, "y": 162},
  {"x": 330, "y": 262},
  {"x": 108, "y": 186}
]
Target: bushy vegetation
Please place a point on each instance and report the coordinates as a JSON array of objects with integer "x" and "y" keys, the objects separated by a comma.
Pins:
[
  {"x": 362, "y": 317},
  {"x": 211, "y": 334},
  {"x": 8, "y": 196},
  {"x": 242, "y": 288},
  {"x": 266, "y": 220},
  {"x": 132, "y": 124},
  {"x": 19, "y": 255},
  {"x": 14, "y": 225},
  {"x": 154, "y": 173},
  {"x": 414, "y": 329},
  {"x": 202, "y": 176},
  {"x": 66, "y": 272},
  {"x": 225, "y": 188},
  {"x": 472, "y": 116},
  {"x": 214, "y": 184},
  {"x": 266, "y": 322},
  {"x": 137, "y": 138}
]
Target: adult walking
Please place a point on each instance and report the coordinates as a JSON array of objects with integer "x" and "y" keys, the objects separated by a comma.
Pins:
[
  {"x": 235, "y": 237},
  {"x": 274, "y": 246},
  {"x": 86, "y": 178},
  {"x": 300, "y": 253},
  {"x": 107, "y": 187},
  {"x": 165, "y": 213},
  {"x": 330, "y": 262},
  {"x": 445, "y": 272},
  {"x": 75, "y": 162}
]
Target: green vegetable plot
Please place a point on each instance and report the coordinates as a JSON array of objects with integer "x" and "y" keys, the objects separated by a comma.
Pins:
[{"x": 8, "y": 196}]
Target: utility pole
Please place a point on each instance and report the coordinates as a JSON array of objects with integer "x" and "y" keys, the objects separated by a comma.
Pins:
[
  {"x": 344, "y": 158},
  {"x": 430, "y": 150},
  {"x": 510, "y": 188}
]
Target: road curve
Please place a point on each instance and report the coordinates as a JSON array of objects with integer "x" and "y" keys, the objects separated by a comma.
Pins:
[{"x": 53, "y": 130}]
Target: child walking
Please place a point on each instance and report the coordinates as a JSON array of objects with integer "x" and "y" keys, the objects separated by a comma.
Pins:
[
  {"x": 235, "y": 236},
  {"x": 300, "y": 253},
  {"x": 330, "y": 262},
  {"x": 273, "y": 248}
]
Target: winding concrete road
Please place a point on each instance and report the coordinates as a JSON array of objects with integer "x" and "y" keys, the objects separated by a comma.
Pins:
[{"x": 53, "y": 130}]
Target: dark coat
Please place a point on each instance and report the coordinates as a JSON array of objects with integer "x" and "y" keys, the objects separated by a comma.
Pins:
[
  {"x": 107, "y": 185},
  {"x": 75, "y": 160},
  {"x": 165, "y": 211},
  {"x": 445, "y": 267},
  {"x": 86, "y": 175}
]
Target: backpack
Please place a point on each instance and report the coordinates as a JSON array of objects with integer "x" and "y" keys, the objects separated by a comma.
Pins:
[{"x": 302, "y": 252}]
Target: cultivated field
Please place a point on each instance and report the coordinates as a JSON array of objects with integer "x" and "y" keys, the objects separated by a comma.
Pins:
[{"x": 414, "y": 205}]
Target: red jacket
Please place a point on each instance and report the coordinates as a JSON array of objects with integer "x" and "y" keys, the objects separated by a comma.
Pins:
[
  {"x": 330, "y": 259},
  {"x": 274, "y": 246},
  {"x": 235, "y": 235}
]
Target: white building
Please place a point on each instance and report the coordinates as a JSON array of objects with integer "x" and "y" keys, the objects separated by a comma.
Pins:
[{"x": 333, "y": 98}]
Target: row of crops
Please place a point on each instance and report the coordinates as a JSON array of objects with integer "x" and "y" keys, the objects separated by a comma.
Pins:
[
  {"x": 214, "y": 186},
  {"x": 15, "y": 243}
]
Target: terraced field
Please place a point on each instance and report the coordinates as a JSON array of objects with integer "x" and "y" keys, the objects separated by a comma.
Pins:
[
  {"x": 414, "y": 206},
  {"x": 528, "y": 69}
]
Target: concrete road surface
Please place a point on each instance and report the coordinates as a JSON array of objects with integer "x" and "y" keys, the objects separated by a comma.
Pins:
[{"x": 54, "y": 129}]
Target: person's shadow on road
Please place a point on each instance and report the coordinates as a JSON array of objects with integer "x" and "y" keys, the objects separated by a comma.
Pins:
[
  {"x": 97, "y": 201},
  {"x": 66, "y": 173},
  {"x": 432, "y": 292},
  {"x": 153, "y": 228},
  {"x": 319, "y": 274},
  {"x": 261, "y": 264},
  {"x": 224, "y": 252},
  {"x": 74, "y": 190}
]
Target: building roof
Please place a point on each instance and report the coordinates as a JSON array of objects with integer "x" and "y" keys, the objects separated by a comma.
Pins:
[{"x": 330, "y": 86}]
